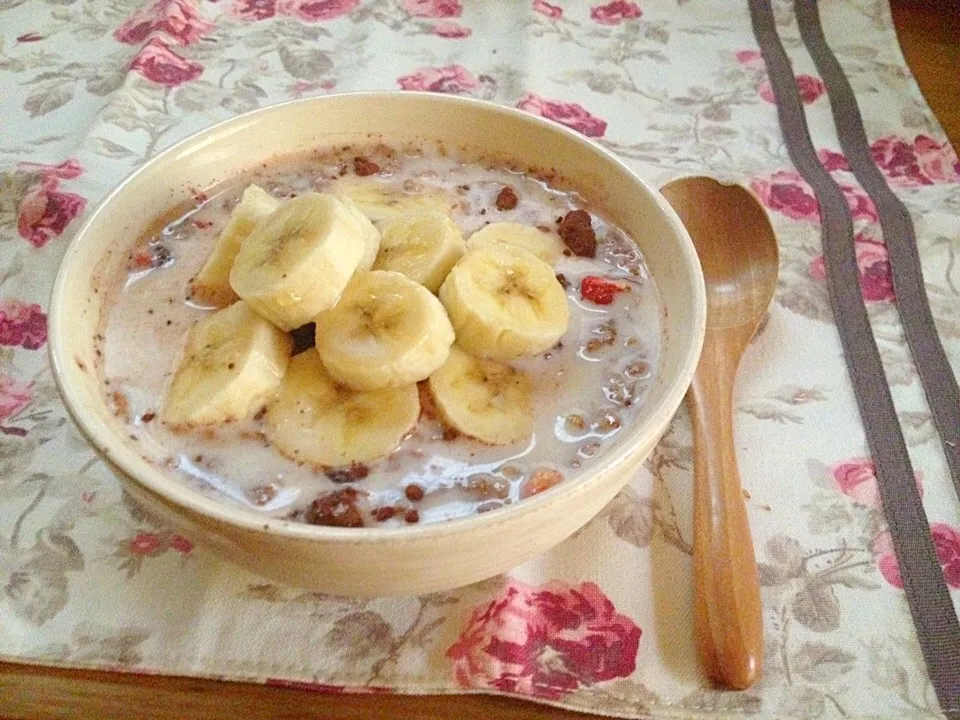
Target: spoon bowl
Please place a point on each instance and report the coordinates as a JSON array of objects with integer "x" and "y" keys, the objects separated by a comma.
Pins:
[
  {"x": 740, "y": 261},
  {"x": 737, "y": 249}
]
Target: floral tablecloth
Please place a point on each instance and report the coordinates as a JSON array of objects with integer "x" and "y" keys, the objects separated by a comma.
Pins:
[{"x": 91, "y": 88}]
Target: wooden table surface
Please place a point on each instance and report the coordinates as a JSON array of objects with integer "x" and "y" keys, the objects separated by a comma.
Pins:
[{"x": 930, "y": 36}]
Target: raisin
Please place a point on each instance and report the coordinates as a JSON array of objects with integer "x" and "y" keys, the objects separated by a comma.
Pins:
[
  {"x": 364, "y": 166},
  {"x": 562, "y": 279},
  {"x": 507, "y": 198},
  {"x": 382, "y": 514},
  {"x": 338, "y": 509},
  {"x": 576, "y": 230},
  {"x": 411, "y": 516},
  {"x": 148, "y": 416},
  {"x": 414, "y": 493}
]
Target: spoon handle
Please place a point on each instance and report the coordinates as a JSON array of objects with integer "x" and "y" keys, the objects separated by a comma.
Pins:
[{"x": 727, "y": 617}]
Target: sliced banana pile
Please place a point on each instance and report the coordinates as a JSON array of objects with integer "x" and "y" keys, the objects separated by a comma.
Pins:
[
  {"x": 234, "y": 361},
  {"x": 397, "y": 297},
  {"x": 316, "y": 420},
  {"x": 212, "y": 283},
  {"x": 297, "y": 261},
  {"x": 386, "y": 332}
]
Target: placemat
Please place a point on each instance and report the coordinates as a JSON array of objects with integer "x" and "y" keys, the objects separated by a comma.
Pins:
[{"x": 676, "y": 88}]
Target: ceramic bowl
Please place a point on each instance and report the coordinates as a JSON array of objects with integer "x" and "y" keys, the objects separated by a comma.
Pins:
[{"x": 374, "y": 561}]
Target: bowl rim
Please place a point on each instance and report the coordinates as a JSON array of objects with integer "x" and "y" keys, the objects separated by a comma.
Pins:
[{"x": 155, "y": 480}]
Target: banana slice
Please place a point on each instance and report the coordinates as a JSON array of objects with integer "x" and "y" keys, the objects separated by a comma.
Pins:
[
  {"x": 386, "y": 331},
  {"x": 315, "y": 420},
  {"x": 295, "y": 264},
  {"x": 233, "y": 363},
  {"x": 379, "y": 202},
  {"x": 365, "y": 229},
  {"x": 212, "y": 284},
  {"x": 423, "y": 246},
  {"x": 544, "y": 245},
  {"x": 504, "y": 302},
  {"x": 484, "y": 399}
]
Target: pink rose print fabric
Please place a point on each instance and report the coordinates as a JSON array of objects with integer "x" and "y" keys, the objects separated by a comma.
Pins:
[
  {"x": 566, "y": 113},
  {"x": 873, "y": 265},
  {"x": 545, "y": 8},
  {"x": 451, "y": 30},
  {"x": 178, "y": 20},
  {"x": 545, "y": 641},
  {"x": 857, "y": 479},
  {"x": 316, "y": 10},
  {"x": 158, "y": 63},
  {"x": 254, "y": 10},
  {"x": 22, "y": 325},
  {"x": 614, "y": 13},
  {"x": 132, "y": 552},
  {"x": 946, "y": 540},
  {"x": 810, "y": 88},
  {"x": 14, "y": 397},
  {"x": 45, "y": 211},
  {"x": 786, "y": 192},
  {"x": 308, "y": 11},
  {"x": 922, "y": 161},
  {"x": 833, "y": 161},
  {"x": 433, "y": 8},
  {"x": 454, "y": 79}
]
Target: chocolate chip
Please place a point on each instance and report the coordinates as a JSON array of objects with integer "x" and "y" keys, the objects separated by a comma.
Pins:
[
  {"x": 148, "y": 417},
  {"x": 562, "y": 279},
  {"x": 576, "y": 229},
  {"x": 507, "y": 198},
  {"x": 304, "y": 337},
  {"x": 411, "y": 516},
  {"x": 414, "y": 493}
]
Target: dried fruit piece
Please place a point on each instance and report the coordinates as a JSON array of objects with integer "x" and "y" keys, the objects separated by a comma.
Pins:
[
  {"x": 599, "y": 290},
  {"x": 542, "y": 479}
]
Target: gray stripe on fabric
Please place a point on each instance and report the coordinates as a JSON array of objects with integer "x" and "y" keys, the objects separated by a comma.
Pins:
[
  {"x": 934, "y": 618},
  {"x": 933, "y": 367}
]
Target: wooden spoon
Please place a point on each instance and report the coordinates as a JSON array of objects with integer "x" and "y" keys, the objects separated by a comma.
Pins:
[{"x": 738, "y": 253}]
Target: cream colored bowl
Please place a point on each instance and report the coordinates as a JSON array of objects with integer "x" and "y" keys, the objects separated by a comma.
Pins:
[{"x": 373, "y": 561}]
